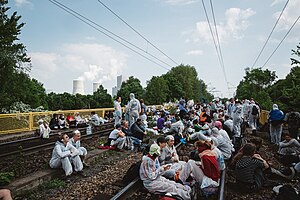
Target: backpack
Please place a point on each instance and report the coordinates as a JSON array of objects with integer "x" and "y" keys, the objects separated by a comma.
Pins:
[
  {"x": 293, "y": 119},
  {"x": 132, "y": 172},
  {"x": 254, "y": 110}
]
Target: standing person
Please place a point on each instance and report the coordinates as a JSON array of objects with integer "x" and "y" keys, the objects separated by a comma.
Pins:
[
  {"x": 276, "y": 117},
  {"x": 293, "y": 120},
  {"x": 150, "y": 174},
  {"x": 230, "y": 107},
  {"x": 75, "y": 141},
  {"x": 65, "y": 155},
  {"x": 253, "y": 116},
  {"x": 118, "y": 111},
  {"x": 44, "y": 129},
  {"x": 134, "y": 108},
  {"x": 237, "y": 119}
]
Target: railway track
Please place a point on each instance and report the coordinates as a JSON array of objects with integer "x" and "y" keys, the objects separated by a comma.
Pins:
[{"x": 34, "y": 144}]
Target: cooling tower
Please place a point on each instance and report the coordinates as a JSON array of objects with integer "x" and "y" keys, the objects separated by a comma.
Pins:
[
  {"x": 78, "y": 87},
  {"x": 95, "y": 86}
]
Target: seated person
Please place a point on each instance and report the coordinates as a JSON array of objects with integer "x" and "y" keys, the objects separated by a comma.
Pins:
[
  {"x": 169, "y": 153},
  {"x": 223, "y": 144},
  {"x": 249, "y": 168},
  {"x": 289, "y": 150},
  {"x": 125, "y": 128},
  {"x": 44, "y": 129},
  {"x": 75, "y": 141},
  {"x": 5, "y": 194},
  {"x": 116, "y": 138},
  {"x": 94, "y": 120},
  {"x": 150, "y": 174},
  {"x": 62, "y": 122},
  {"x": 71, "y": 121},
  {"x": 137, "y": 132},
  {"x": 208, "y": 169},
  {"x": 65, "y": 155},
  {"x": 54, "y": 122},
  {"x": 80, "y": 123},
  {"x": 161, "y": 122}
]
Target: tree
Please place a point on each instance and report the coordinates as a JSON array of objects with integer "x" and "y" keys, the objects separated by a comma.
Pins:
[
  {"x": 255, "y": 83},
  {"x": 102, "y": 98},
  {"x": 132, "y": 85},
  {"x": 297, "y": 53},
  {"x": 157, "y": 91},
  {"x": 16, "y": 85}
]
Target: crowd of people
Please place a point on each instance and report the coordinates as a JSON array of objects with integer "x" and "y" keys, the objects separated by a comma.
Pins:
[{"x": 214, "y": 130}]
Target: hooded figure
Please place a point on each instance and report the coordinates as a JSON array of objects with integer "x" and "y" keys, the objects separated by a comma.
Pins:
[
  {"x": 150, "y": 174},
  {"x": 237, "y": 120},
  {"x": 134, "y": 108},
  {"x": 276, "y": 117}
]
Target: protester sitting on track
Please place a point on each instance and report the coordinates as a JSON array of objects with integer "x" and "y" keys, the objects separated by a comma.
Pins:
[
  {"x": 62, "y": 122},
  {"x": 80, "y": 123},
  {"x": 44, "y": 129},
  {"x": 137, "y": 132},
  {"x": 177, "y": 127},
  {"x": 207, "y": 173},
  {"x": 161, "y": 142},
  {"x": 5, "y": 194},
  {"x": 289, "y": 150},
  {"x": 228, "y": 126},
  {"x": 54, "y": 122},
  {"x": 94, "y": 120},
  {"x": 169, "y": 153},
  {"x": 161, "y": 122},
  {"x": 65, "y": 155},
  {"x": 249, "y": 168},
  {"x": 150, "y": 174},
  {"x": 276, "y": 117},
  {"x": 125, "y": 128},
  {"x": 116, "y": 138},
  {"x": 223, "y": 144},
  {"x": 75, "y": 141}
]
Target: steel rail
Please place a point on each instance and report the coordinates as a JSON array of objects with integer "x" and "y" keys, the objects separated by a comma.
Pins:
[{"x": 50, "y": 144}]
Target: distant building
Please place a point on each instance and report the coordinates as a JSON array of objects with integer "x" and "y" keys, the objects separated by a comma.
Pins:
[
  {"x": 78, "y": 87},
  {"x": 114, "y": 91},
  {"x": 95, "y": 86}
]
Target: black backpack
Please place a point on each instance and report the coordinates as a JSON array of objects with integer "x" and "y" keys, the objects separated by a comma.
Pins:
[
  {"x": 254, "y": 110},
  {"x": 132, "y": 172}
]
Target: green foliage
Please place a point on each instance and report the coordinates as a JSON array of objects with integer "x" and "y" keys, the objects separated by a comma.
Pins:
[
  {"x": 156, "y": 91},
  {"x": 132, "y": 85},
  {"x": 53, "y": 184},
  {"x": 255, "y": 81},
  {"x": 6, "y": 177},
  {"x": 297, "y": 53}
]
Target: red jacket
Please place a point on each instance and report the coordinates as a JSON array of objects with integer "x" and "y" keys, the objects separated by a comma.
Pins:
[{"x": 209, "y": 165}]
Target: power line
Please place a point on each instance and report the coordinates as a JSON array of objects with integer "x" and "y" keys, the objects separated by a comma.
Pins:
[
  {"x": 281, "y": 42},
  {"x": 93, "y": 25},
  {"x": 270, "y": 34},
  {"x": 214, "y": 41},
  {"x": 137, "y": 32},
  {"x": 218, "y": 40}
]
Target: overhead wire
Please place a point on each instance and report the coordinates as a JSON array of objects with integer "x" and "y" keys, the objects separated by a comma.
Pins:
[
  {"x": 120, "y": 18},
  {"x": 281, "y": 42},
  {"x": 218, "y": 40},
  {"x": 270, "y": 34},
  {"x": 216, "y": 47},
  {"x": 95, "y": 25}
]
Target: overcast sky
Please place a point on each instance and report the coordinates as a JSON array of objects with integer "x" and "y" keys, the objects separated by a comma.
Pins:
[{"x": 63, "y": 48}]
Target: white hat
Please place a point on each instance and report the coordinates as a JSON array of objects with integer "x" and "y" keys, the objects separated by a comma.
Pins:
[{"x": 154, "y": 149}]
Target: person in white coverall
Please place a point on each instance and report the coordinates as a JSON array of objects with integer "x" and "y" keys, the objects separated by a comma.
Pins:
[{"x": 134, "y": 108}]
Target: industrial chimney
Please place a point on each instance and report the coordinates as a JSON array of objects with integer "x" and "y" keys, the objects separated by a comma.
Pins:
[
  {"x": 78, "y": 87},
  {"x": 95, "y": 86}
]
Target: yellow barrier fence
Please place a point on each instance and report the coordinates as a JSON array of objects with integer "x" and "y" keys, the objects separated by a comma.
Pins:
[{"x": 20, "y": 122}]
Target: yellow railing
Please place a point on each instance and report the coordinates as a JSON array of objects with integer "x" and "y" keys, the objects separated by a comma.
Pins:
[{"x": 19, "y": 122}]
